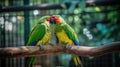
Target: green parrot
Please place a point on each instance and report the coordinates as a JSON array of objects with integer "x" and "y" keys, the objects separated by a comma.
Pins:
[
  {"x": 65, "y": 35},
  {"x": 39, "y": 36}
]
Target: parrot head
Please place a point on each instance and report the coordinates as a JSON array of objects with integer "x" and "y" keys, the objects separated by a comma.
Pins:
[
  {"x": 55, "y": 19},
  {"x": 44, "y": 19}
]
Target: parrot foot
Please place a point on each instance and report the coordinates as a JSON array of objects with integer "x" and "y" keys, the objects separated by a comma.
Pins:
[
  {"x": 41, "y": 47},
  {"x": 51, "y": 44},
  {"x": 68, "y": 46}
]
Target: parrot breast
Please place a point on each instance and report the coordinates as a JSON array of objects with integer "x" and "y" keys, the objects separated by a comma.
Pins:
[
  {"x": 45, "y": 40},
  {"x": 63, "y": 38}
]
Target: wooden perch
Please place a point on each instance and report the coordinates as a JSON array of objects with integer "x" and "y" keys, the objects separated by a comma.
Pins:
[{"x": 27, "y": 51}]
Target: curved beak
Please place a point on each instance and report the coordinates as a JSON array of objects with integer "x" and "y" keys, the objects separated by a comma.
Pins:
[{"x": 52, "y": 20}]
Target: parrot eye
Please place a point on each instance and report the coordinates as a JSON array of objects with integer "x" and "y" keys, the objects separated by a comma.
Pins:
[{"x": 48, "y": 19}]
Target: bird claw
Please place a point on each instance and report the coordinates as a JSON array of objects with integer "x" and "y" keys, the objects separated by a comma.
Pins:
[
  {"x": 41, "y": 47},
  {"x": 67, "y": 46},
  {"x": 51, "y": 44}
]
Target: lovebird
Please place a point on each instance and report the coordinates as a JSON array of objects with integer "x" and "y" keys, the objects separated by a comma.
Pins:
[
  {"x": 39, "y": 36},
  {"x": 65, "y": 35}
]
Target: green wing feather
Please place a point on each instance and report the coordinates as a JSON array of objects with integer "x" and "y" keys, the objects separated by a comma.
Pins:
[
  {"x": 37, "y": 33},
  {"x": 71, "y": 34}
]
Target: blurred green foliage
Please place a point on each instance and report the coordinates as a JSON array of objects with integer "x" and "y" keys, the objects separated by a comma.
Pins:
[
  {"x": 95, "y": 25},
  {"x": 102, "y": 22}
]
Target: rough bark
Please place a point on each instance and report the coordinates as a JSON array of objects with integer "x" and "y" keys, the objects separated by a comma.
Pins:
[{"x": 27, "y": 51}]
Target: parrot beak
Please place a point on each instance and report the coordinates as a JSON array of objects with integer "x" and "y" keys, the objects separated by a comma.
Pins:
[{"x": 52, "y": 20}]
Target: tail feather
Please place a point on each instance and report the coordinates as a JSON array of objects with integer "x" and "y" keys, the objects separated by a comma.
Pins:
[
  {"x": 30, "y": 61},
  {"x": 77, "y": 61}
]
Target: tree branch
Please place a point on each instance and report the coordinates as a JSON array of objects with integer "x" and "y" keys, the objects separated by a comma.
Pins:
[{"x": 27, "y": 51}]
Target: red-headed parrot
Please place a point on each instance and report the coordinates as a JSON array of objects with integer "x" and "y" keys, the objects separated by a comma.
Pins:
[
  {"x": 39, "y": 36},
  {"x": 65, "y": 35}
]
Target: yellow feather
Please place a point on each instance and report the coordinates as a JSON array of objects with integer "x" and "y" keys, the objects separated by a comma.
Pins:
[
  {"x": 63, "y": 38},
  {"x": 45, "y": 40},
  {"x": 77, "y": 60}
]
